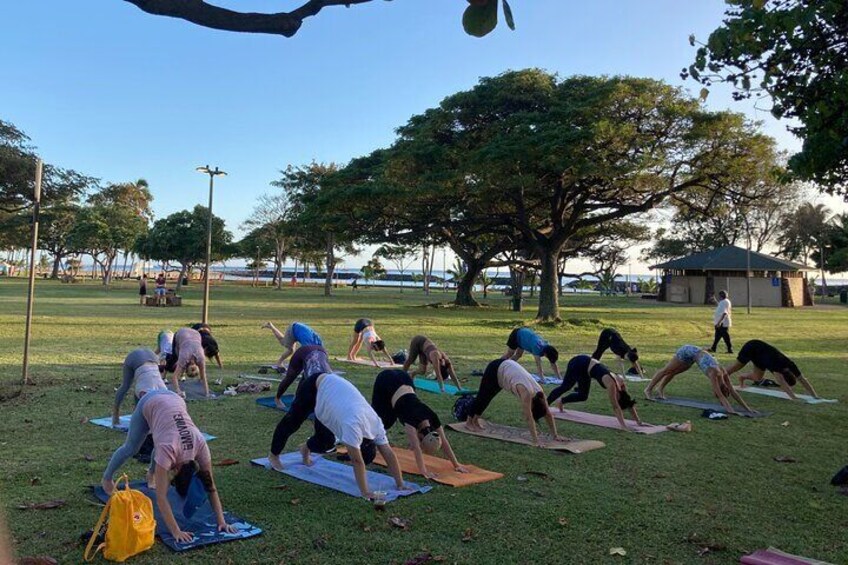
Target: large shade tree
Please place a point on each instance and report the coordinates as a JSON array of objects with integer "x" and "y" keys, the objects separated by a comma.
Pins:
[
  {"x": 551, "y": 159},
  {"x": 796, "y": 53}
]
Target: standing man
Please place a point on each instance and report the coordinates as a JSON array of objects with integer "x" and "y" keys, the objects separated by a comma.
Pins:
[{"x": 722, "y": 321}]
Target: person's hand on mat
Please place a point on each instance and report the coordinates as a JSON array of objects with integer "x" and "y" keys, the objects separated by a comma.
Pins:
[
  {"x": 108, "y": 486},
  {"x": 430, "y": 475},
  {"x": 183, "y": 537},
  {"x": 227, "y": 528},
  {"x": 461, "y": 469},
  {"x": 278, "y": 402}
]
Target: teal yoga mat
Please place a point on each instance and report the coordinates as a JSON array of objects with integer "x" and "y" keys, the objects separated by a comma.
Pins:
[{"x": 433, "y": 386}]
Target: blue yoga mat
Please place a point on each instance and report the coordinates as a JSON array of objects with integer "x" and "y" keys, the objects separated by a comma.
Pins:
[
  {"x": 268, "y": 402},
  {"x": 193, "y": 390},
  {"x": 701, "y": 405},
  {"x": 339, "y": 477},
  {"x": 193, "y": 514},
  {"x": 433, "y": 386},
  {"x": 125, "y": 423}
]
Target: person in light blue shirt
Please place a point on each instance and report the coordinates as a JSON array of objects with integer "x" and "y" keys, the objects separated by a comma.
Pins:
[
  {"x": 525, "y": 339},
  {"x": 295, "y": 334}
]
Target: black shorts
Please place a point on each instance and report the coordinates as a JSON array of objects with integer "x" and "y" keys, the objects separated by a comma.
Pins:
[
  {"x": 142, "y": 291},
  {"x": 361, "y": 324},
  {"x": 512, "y": 340}
]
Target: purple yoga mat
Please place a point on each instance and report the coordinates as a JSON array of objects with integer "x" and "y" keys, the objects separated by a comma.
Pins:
[
  {"x": 773, "y": 556},
  {"x": 604, "y": 421}
]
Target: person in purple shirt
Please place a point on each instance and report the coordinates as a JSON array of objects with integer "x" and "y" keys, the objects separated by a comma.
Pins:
[
  {"x": 295, "y": 334},
  {"x": 309, "y": 360},
  {"x": 525, "y": 339}
]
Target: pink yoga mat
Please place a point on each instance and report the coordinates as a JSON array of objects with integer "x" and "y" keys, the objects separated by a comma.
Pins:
[
  {"x": 604, "y": 421},
  {"x": 773, "y": 556}
]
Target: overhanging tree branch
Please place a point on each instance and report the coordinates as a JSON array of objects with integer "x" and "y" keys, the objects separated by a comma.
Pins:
[{"x": 206, "y": 15}]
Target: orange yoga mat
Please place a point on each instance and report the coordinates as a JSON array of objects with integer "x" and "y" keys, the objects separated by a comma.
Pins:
[{"x": 443, "y": 469}]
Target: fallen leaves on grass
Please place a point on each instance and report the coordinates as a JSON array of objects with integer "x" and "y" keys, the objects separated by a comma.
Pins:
[
  {"x": 660, "y": 476},
  {"x": 398, "y": 522},
  {"x": 419, "y": 559},
  {"x": 226, "y": 462},
  {"x": 35, "y": 481},
  {"x": 88, "y": 458},
  {"x": 563, "y": 521},
  {"x": 785, "y": 424},
  {"x": 320, "y": 542},
  {"x": 280, "y": 487},
  {"x": 704, "y": 546},
  {"x": 785, "y": 459},
  {"x": 617, "y": 551},
  {"x": 538, "y": 474},
  {"x": 83, "y": 420},
  {"x": 49, "y": 505},
  {"x": 469, "y": 535},
  {"x": 294, "y": 501}
]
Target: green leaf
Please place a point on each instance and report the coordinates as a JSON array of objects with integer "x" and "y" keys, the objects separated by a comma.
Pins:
[
  {"x": 692, "y": 39},
  {"x": 508, "y": 15},
  {"x": 759, "y": 4},
  {"x": 480, "y": 20}
]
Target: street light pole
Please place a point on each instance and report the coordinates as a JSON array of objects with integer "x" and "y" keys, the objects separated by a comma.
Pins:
[
  {"x": 36, "y": 209},
  {"x": 212, "y": 174}
]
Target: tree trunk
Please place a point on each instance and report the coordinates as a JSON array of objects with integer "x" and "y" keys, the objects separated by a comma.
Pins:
[
  {"x": 517, "y": 277},
  {"x": 331, "y": 265},
  {"x": 57, "y": 262},
  {"x": 183, "y": 271},
  {"x": 548, "y": 299},
  {"x": 465, "y": 288}
]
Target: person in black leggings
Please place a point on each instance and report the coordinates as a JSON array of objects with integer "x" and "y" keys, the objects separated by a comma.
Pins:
[
  {"x": 309, "y": 360},
  {"x": 766, "y": 357},
  {"x": 302, "y": 406},
  {"x": 612, "y": 340},
  {"x": 394, "y": 399},
  {"x": 580, "y": 371}
]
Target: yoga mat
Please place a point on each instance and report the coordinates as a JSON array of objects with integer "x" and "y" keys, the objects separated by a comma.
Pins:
[
  {"x": 443, "y": 468},
  {"x": 433, "y": 386},
  {"x": 248, "y": 377},
  {"x": 636, "y": 379},
  {"x": 547, "y": 380},
  {"x": 275, "y": 368},
  {"x": 201, "y": 523},
  {"x": 338, "y": 477},
  {"x": 703, "y": 405},
  {"x": 522, "y": 436},
  {"x": 780, "y": 394},
  {"x": 368, "y": 363},
  {"x": 772, "y": 556},
  {"x": 125, "y": 424},
  {"x": 605, "y": 421},
  {"x": 194, "y": 390}
]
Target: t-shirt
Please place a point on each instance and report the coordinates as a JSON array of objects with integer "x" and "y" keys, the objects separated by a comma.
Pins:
[
  {"x": 302, "y": 334},
  {"x": 342, "y": 408},
  {"x": 188, "y": 345},
  {"x": 410, "y": 410},
  {"x": 310, "y": 360},
  {"x": 724, "y": 307},
  {"x": 765, "y": 357},
  {"x": 511, "y": 374},
  {"x": 530, "y": 341},
  {"x": 148, "y": 378},
  {"x": 177, "y": 440}
]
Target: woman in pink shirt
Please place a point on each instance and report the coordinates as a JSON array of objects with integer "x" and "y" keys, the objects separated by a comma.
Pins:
[
  {"x": 180, "y": 452},
  {"x": 190, "y": 358}
]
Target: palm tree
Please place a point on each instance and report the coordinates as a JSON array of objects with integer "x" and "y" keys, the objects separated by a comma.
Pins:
[{"x": 804, "y": 234}]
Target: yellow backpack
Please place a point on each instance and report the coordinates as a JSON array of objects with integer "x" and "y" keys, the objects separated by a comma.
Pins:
[{"x": 130, "y": 528}]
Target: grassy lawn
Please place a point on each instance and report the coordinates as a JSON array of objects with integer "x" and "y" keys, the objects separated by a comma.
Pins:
[{"x": 662, "y": 498}]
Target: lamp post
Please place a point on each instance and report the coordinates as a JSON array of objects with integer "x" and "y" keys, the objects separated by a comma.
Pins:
[
  {"x": 212, "y": 174},
  {"x": 36, "y": 210}
]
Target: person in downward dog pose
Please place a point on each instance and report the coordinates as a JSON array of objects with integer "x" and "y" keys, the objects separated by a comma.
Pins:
[
  {"x": 180, "y": 452},
  {"x": 580, "y": 371},
  {"x": 684, "y": 358},
  {"x": 340, "y": 412},
  {"x": 612, "y": 340},
  {"x": 525, "y": 339},
  {"x": 141, "y": 366},
  {"x": 364, "y": 333},
  {"x": 506, "y": 374},
  {"x": 394, "y": 399},
  {"x": 309, "y": 360},
  {"x": 766, "y": 357},
  {"x": 296, "y": 335},
  {"x": 422, "y": 349},
  {"x": 190, "y": 358}
]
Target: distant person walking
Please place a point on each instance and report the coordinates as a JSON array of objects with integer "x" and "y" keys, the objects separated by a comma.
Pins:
[
  {"x": 722, "y": 322},
  {"x": 142, "y": 289}
]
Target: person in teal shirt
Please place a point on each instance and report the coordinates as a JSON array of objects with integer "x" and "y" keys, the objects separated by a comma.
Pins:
[{"x": 525, "y": 339}]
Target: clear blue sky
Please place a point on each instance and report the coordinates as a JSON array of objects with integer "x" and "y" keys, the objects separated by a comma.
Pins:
[{"x": 106, "y": 89}]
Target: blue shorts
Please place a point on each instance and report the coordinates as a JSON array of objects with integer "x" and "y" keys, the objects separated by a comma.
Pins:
[
  {"x": 688, "y": 354},
  {"x": 707, "y": 362}
]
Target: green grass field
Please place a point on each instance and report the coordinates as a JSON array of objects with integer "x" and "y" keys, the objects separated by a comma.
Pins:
[{"x": 662, "y": 498}]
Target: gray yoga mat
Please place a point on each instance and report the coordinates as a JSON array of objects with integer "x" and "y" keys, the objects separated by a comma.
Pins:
[{"x": 704, "y": 405}]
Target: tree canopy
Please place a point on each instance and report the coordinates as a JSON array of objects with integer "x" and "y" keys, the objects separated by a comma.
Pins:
[{"x": 795, "y": 51}]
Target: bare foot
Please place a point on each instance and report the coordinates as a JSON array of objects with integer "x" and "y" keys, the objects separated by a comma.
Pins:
[
  {"x": 108, "y": 485},
  {"x": 306, "y": 455},
  {"x": 275, "y": 462},
  {"x": 558, "y": 404}
]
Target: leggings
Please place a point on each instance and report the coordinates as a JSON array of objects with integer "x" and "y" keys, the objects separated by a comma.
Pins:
[
  {"x": 722, "y": 332},
  {"x": 136, "y": 434},
  {"x": 303, "y": 405},
  {"x": 578, "y": 373},
  {"x": 489, "y": 388},
  {"x": 610, "y": 339},
  {"x": 133, "y": 361}
]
